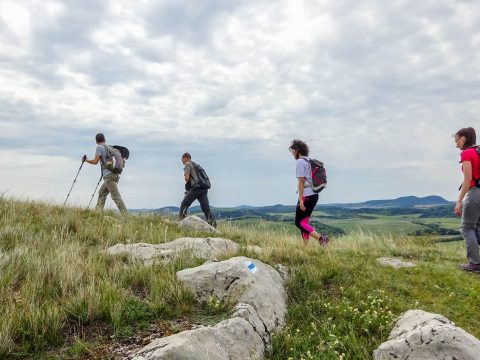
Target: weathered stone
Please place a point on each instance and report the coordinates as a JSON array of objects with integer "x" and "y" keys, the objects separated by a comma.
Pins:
[
  {"x": 283, "y": 271},
  {"x": 395, "y": 263},
  {"x": 426, "y": 336},
  {"x": 233, "y": 281},
  {"x": 204, "y": 248},
  {"x": 195, "y": 223},
  {"x": 233, "y": 339}
]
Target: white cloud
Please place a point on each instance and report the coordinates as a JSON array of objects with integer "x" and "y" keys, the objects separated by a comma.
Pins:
[{"x": 376, "y": 88}]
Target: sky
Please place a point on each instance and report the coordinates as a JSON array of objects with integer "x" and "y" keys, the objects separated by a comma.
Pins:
[{"x": 375, "y": 88}]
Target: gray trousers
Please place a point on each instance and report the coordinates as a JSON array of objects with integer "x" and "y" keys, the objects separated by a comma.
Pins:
[
  {"x": 109, "y": 186},
  {"x": 471, "y": 224}
]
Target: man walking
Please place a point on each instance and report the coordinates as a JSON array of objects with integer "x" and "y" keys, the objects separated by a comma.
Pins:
[
  {"x": 110, "y": 179},
  {"x": 195, "y": 190}
]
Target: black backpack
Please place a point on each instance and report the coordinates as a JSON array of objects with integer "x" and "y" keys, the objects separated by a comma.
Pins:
[{"x": 203, "y": 182}]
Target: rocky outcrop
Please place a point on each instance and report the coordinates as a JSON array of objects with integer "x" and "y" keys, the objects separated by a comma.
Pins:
[
  {"x": 259, "y": 291},
  {"x": 422, "y": 335},
  {"x": 203, "y": 248},
  {"x": 395, "y": 263},
  {"x": 237, "y": 281},
  {"x": 229, "y": 340},
  {"x": 195, "y": 223}
]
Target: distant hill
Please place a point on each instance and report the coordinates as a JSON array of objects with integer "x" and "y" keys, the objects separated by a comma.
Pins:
[{"x": 401, "y": 202}]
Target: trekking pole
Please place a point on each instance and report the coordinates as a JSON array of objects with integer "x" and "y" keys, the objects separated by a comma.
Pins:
[
  {"x": 96, "y": 187},
  {"x": 74, "y": 181}
]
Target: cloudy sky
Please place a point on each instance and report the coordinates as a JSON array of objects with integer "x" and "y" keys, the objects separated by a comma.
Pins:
[{"x": 376, "y": 88}]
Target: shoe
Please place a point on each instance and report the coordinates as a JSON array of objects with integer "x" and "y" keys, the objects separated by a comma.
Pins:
[
  {"x": 470, "y": 267},
  {"x": 323, "y": 240}
]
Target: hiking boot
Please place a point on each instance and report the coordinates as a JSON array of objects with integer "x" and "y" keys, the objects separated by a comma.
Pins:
[
  {"x": 213, "y": 223},
  {"x": 470, "y": 267},
  {"x": 323, "y": 240}
]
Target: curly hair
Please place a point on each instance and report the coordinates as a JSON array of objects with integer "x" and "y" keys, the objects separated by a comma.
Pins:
[
  {"x": 300, "y": 146},
  {"x": 470, "y": 136}
]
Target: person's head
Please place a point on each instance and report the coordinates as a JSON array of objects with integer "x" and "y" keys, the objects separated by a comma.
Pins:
[
  {"x": 100, "y": 138},
  {"x": 465, "y": 138},
  {"x": 186, "y": 158},
  {"x": 299, "y": 148}
]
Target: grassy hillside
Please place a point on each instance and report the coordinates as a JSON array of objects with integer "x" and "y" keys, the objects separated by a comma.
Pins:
[{"x": 62, "y": 297}]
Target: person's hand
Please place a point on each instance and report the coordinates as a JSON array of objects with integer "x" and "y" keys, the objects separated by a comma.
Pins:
[
  {"x": 458, "y": 208},
  {"x": 302, "y": 206},
  {"x": 84, "y": 158}
]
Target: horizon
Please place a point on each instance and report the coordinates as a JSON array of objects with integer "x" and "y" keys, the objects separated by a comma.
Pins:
[
  {"x": 375, "y": 89},
  {"x": 195, "y": 204}
]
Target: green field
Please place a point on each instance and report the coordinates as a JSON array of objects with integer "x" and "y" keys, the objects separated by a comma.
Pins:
[
  {"x": 62, "y": 297},
  {"x": 370, "y": 223}
]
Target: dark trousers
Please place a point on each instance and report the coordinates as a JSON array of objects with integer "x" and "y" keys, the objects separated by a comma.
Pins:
[
  {"x": 302, "y": 217},
  {"x": 202, "y": 196}
]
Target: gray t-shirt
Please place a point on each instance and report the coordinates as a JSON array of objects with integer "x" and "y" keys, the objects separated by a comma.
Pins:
[
  {"x": 303, "y": 170},
  {"x": 189, "y": 169},
  {"x": 103, "y": 159}
]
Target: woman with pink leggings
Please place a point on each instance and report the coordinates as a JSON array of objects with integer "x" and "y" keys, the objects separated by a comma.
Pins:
[{"x": 307, "y": 198}]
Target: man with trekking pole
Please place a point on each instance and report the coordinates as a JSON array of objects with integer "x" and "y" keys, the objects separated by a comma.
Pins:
[{"x": 112, "y": 162}]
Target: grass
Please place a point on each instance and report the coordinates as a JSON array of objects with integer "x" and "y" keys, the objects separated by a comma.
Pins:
[{"x": 61, "y": 297}]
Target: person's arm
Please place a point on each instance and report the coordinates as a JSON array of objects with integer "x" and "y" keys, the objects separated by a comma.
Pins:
[
  {"x": 301, "y": 188},
  {"x": 467, "y": 179},
  {"x": 94, "y": 161},
  {"x": 186, "y": 172}
]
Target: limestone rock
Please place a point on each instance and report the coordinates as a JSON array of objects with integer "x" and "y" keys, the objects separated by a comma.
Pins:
[
  {"x": 395, "y": 263},
  {"x": 195, "y": 223},
  {"x": 204, "y": 248},
  {"x": 258, "y": 290},
  {"x": 421, "y": 335},
  {"x": 233, "y": 339},
  {"x": 238, "y": 281}
]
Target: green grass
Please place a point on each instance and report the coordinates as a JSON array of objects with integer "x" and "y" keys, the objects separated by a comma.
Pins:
[{"x": 61, "y": 297}]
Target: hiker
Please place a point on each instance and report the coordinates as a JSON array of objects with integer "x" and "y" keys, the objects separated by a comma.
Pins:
[
  {"x": 307, "y": 198},
  {"x": 196, "y": 189},
  {"x": 110, "y": 179},
  {"x": 468, "y": 204}
]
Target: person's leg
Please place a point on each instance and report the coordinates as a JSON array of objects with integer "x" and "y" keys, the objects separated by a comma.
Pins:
[
  {"x": 188, "y": 199},
  {"x": 111, "y": 181},
  {"x": 205, "y": 206},
  {"x": 470, "y": 219},
  {"x": 102, "y": 196},
  {"x": 300, "y": 217},
  {"x": 310, "y": 202}
]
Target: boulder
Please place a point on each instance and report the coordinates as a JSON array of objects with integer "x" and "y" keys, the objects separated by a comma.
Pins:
[
  {"x": 204, "y": 248},
  {"x": 422, "y": 335},
  {"x": 395, "y": 263},
  {"x": 241, "y": 280},
  {"x": 232, "y": 339},
  {"x": 258, "y": 290},
  {"x": 195, "y": 223}
]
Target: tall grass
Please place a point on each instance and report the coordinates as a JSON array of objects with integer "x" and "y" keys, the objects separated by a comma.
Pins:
[{"x": 56, "y": 283}]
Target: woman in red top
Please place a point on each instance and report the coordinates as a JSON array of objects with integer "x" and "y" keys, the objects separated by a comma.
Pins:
[{"x": 468, "y": 204}]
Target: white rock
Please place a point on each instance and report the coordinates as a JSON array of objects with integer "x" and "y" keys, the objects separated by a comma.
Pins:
[
  {"x": 426, "y": 336},
  {"x": 195, "y": 223},
  {"x": 395, "y": 263},
  {"x": 234, "y": 282},
  {"x": 204, "y": 248},
  {"x": 233, "y": 339}
]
